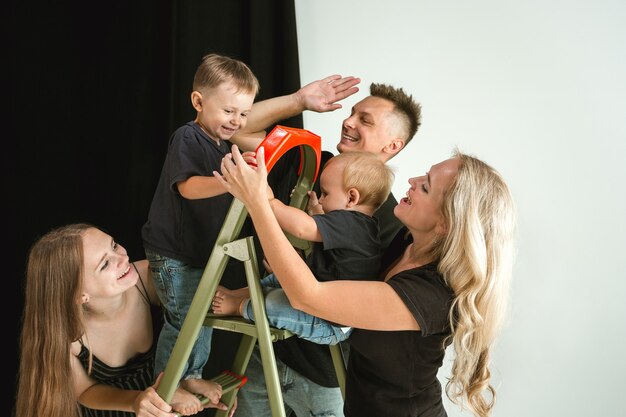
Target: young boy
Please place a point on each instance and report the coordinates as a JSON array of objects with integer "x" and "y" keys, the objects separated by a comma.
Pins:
[
  {"x": 346, "y": 245},
  {"x": 189, "y": 205}
]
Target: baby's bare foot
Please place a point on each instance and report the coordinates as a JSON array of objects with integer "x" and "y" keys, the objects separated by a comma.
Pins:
[
  {"x": 228, "y": 302},
  {"x": 185, "y": 403},
  {"x": 208, "y": 389},
  {"x": 237, "y": 292}
]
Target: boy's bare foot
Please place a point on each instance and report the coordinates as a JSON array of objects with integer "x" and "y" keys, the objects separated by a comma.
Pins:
[
  {"x": 228, "y": 302},
  {"x": 185, "y": 403},
  {"x": 209, "y": 389}
]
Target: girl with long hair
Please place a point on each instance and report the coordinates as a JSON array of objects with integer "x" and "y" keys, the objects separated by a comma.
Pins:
[{"x": 89, "y": 331}]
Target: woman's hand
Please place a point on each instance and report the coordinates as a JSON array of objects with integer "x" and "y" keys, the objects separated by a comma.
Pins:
[
  {"x": 232, "y": 410},
  {"x": 243, "y": 181},
  {"x": 149, "y": 404}
]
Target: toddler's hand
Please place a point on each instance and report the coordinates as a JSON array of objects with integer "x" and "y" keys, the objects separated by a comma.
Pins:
[
  {"x": 314, "y": 206},
  {"x": 250, "y": 158}
]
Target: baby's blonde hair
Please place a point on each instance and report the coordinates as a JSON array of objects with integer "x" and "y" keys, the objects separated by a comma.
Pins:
[{"x": 367, "y": 174}]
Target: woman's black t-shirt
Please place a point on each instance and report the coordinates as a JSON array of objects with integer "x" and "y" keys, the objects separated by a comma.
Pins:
[{"x": 394, "y": 373}]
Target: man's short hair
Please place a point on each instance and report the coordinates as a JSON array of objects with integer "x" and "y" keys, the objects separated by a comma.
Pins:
[{"x": 407, "y": 109}]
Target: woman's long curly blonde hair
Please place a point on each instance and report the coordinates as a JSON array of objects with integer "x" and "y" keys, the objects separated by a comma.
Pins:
[
  {"x": 52, "y": 319},
  {"x": 476, "y": 258}
]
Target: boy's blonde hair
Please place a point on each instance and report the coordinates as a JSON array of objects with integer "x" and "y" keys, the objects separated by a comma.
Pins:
[
  {"x": 366, "y": 173},
  {"x": 216, "y": 69}
]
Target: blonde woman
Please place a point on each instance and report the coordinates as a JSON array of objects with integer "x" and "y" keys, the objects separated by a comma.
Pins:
[{"x": 444, "y": 280}]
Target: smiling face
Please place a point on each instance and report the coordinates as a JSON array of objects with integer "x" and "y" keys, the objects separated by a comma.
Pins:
[
  {"x": 370, "y": 128},
  {"x": 222, "y": 110},
  {"x": 107, "y": 270},
  {"x": 421, "y": 209}
]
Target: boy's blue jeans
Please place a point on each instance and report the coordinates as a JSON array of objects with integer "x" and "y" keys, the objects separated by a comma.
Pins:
[
  {"x": 282, "y": 315},
  {"x": 176, "y": 284}
]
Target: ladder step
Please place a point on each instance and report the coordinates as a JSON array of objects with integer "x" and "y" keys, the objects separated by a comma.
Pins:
[
  {"x": 228, "y": 380},
  {"x": 241, "y": 325}
]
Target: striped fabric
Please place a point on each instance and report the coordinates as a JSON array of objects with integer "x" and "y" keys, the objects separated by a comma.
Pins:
[{"x": 136, "y": 374}]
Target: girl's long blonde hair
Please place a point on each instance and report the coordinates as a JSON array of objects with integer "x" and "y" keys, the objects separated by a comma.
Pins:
[
  {"x": 52, "y": 319},
  {"x": 476, "y": 258}
]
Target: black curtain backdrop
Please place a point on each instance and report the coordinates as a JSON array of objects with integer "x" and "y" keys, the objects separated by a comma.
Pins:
[{"x": 95, "y": 90}]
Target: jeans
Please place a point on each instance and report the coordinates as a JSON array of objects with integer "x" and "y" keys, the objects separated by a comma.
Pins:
[
  {"x": 176, "y": 284},
  {"x": 300, "y": 395},
  {"x": 282, "y": 315}
]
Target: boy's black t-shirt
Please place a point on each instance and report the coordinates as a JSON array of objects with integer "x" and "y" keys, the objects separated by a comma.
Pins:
[{"x": 178, "y": 227}]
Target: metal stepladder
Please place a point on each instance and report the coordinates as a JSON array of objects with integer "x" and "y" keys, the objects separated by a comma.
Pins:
[{"x": 278, "y": 141}]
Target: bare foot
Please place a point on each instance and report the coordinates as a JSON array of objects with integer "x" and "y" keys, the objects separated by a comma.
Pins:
[
  {"x": 208, "y": 389},
  {"x": 185, "y": 403},
  {"x": 228, "y": 302},
  {"x": 238, "y": 292}
]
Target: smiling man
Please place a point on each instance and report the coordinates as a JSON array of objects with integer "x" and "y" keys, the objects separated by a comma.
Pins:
[{"x": 382, "y": 123}]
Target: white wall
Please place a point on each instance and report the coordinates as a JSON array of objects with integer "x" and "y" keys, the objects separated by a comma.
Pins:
[{"x": 538, "y": 90}]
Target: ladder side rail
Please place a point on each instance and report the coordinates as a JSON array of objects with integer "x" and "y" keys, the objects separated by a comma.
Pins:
[
  {"x": 201, "y": 302},
  {"x": 243, "y": 250}
]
